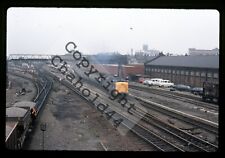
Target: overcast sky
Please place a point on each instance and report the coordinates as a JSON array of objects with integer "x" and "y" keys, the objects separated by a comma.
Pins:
[{"x": 47, "y": 30}]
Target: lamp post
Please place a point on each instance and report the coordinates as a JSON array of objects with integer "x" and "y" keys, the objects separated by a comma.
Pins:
[{"x": 43, "y": 129}]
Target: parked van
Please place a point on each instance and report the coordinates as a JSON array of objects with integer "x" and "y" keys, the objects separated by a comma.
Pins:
[
  {"x": 165, "y": 83},
  {"x": 154, "y": 81}
]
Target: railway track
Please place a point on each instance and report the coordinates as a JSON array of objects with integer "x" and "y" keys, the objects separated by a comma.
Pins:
[
  {"x": 190, "y": 119},
  {"x": 176, "y": 96},
  {"x": 158, "y": 142},
  {"x": 43, "y": 95},
  {"x": 43, "y": 90},
  {"x": 193, "y": 142},
  {"x": 38, "y": 85},
  {"x": 189, "y": 142},
  {"x": 186, "y": 141},
  {"x": 154, "y": 139},
  {"x": 47, "y": 85},
  {"x": 43, "y": 86}
]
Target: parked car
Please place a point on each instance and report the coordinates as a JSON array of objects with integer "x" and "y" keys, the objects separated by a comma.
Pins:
[
  {"x": 154, "y": 81},
  {"x": 182, "y": 87},
  {"x": 165, "y": 83},
  {"x": 197, "y": 91},
  {"x": 145, "y": 82},
  {"x": 141, "y": 80},
  {"x": 172, "y": 89}
]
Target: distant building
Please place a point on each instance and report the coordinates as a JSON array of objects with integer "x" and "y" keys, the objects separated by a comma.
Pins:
[
  {"x": 193, "y": 51},
  {"x": 145, "y": 47},
  {"x": 188, "y": 70},
  {"x": 153, "y": 52},
  {"x": 131, "y": 52},
  {"x": 127, "y": 70},
  {"x": 148, "y": 52}
]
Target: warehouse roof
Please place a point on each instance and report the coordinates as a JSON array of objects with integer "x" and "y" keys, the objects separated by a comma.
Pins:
[{"x": 201, "y": 61}]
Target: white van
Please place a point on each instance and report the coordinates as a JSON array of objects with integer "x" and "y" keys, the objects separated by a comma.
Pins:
[
  {"x": 165, "y": 83},
  {"x": 154, "y": 81}
]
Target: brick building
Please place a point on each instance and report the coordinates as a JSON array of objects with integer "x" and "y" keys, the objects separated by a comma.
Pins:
[
  {"x": 108, "y": 64},
  {"x": 127, "y": 70},
  {"x": 188, "y": 70}
]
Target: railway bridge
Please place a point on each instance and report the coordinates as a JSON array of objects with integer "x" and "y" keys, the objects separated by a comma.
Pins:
[{"x": 28, "y": 58}]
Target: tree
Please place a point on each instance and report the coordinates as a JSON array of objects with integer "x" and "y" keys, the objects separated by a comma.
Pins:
[{"x": 161, "y": 54}]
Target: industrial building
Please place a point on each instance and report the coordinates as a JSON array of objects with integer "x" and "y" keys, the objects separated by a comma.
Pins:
[
  {"x": 193, "y": 51},
  {"x": 126, "y": 70},
  {"x": 111, "y": 64},
  {"x": 188, "y": 70}
]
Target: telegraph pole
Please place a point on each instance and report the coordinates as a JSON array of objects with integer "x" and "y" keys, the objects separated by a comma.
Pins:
[{"x": 43, "y": 129}]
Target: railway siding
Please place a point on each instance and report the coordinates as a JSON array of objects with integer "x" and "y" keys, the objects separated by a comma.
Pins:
[
  {"x": 157, "y": 142},
  {"x": 203, "y": 123}
]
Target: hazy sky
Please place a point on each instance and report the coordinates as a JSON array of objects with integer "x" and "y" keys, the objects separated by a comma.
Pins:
[{"x": 47, "y": 30}]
